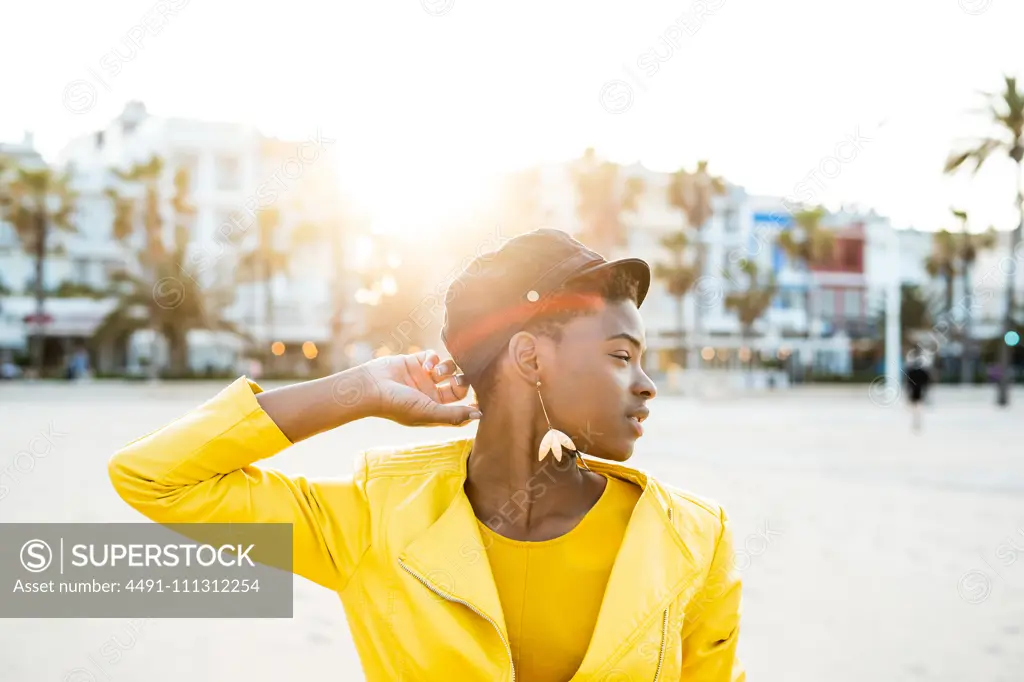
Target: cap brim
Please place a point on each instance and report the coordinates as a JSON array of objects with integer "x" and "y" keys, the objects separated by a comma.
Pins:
[{"x": 637, "y": 268}]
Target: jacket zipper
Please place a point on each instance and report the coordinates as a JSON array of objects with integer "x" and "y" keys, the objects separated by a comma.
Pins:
[
  {"x": 456, "y": 600},
  {"x": 664, "y": 629},
  {"x": 661, "y": 654}
]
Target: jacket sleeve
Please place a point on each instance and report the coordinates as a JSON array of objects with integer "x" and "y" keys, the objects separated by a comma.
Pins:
[
  {"x": 711, "y": 629},
  {"x": 199, "y": 469}
]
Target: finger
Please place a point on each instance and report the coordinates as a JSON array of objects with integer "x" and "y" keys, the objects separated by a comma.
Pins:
[
  {"x": 419, "y": 379},
  {"x": 454, "y": 390},
  {"x": 452, "y": 415},
  {"x": 420, "y": 356},
  {"x": 444, "y": 369},
  {"x": 432, "y": 358}
]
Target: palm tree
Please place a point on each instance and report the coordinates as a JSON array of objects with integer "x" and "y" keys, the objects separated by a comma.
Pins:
[
  {"x": 679, "y": 278},
  {"x": 752, "y": 302},
  {"x": 181, "y": 306},
  {"x": 693, "y": 195},
  {"x": 144, "y": 179},
  {"x": 917, "y": 312},
  {"x": 1006, "y": 111},
  {"x": 147, "y": 176},
  {"x": 942, "y": 263},
  {"x": 163, "y": 293},
  {"x": 601, "y": 198},
  {"x": 808, "y": 243},
  {"x": 271, "y": 262},
  {"x": 35, "y": 202},
  {"x": 263, "y": 262},
  {"x": 968, "y": 246}
]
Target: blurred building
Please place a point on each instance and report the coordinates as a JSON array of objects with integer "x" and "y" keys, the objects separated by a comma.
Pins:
[
  {"x": 17, "y": 272},
  {"x": 978, "y": 300},
  {"x": 828, "y": 316},
  {"x": 261, "y": 200},
  {"x": 74, "y": 264},
  {"x": 238, "y": 177},
  {"x": 743, "y": 227}
]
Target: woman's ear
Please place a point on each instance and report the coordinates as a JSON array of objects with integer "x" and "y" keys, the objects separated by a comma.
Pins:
[{"x": 524, "y": 356}]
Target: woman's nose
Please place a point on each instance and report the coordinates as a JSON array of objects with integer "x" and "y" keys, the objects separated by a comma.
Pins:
[{"x": 645, "y": 387}]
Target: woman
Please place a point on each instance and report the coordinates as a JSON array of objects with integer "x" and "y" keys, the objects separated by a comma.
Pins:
[{"x": 504, "y": 556}]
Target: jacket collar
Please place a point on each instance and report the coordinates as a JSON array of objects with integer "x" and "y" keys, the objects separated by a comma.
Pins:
[{"x": 652, "y": 568}]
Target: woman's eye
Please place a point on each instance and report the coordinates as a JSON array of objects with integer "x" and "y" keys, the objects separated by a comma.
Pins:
[{"x": 624, "y": 358}]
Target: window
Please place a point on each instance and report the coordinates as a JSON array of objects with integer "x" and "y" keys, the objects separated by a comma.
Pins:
[
  {"x": 190, "y": 222},
  {"x": 827, "y": 303},
  {"x": 8, "y": 237},
  {"x": 189, "y": 162},
  {"x": 229, "y": 228},
  {"x": 792, "y": 299},
  {"x": 113, "y": 269},
  {"x": 852, "y": 303},
  {"x": 229, "y": 173},
  {"x": 851, "y": 255},
  {"x": 731, "y": 224}
]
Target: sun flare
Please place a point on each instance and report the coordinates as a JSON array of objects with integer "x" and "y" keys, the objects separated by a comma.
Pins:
[{"x": 420, "y": 196}]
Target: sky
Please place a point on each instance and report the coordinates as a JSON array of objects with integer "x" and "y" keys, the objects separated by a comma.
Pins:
[{"x": 846, "y": 101}]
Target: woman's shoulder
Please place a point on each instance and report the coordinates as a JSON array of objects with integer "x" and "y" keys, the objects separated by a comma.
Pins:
[
  {"x": 693, "y": 513},
  {"x": 696, "y": 503},
  {"x": 426, "y": 458},
  {"x": 701, "y": 523}
]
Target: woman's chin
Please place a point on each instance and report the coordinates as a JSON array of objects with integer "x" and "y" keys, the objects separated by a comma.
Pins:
[{"x": 618, "y": 451}]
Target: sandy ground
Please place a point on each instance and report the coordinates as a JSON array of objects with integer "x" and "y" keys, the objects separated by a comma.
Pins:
[{"x": 889, "y": 556}]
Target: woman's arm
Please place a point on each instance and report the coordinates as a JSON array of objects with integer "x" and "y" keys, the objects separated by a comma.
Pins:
[
  {"x": 200, "y": 467},
  {"x": 711, "y": 631},
  {"x": 303, "y": 410}
]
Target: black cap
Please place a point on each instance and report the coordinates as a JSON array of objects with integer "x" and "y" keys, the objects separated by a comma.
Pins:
[{"x": 498, "y": 292}]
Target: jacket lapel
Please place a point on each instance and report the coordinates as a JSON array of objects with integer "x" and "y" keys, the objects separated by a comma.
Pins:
[
  {"x": 449, "y": 558},
  {"x": 652, "y": 568}
]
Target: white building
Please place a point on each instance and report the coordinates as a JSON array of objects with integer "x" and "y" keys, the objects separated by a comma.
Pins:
[
  {"x": 236, "y": 173},
  {"x": 982, "y": 297},
  {"x": 70, "y": 258},
  {"x": 846, "y": 295},
  {"x": 741, "y": 228}
]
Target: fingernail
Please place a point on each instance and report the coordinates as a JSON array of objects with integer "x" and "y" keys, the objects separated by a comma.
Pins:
[
  {"x": 475, "y": 414},
  {"x": 460, "y": 379},
  {"x": 428, "y": 365},
  {"x": 439, "y": 370}
]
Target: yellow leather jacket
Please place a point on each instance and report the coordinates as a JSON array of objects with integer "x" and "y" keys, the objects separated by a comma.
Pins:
[{"x": 398, "y": 541}]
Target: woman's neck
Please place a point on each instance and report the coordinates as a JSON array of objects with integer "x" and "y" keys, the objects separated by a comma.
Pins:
[{"x": 516, "y": 494}]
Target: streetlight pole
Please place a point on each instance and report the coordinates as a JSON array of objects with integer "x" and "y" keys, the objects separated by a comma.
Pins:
[
  {"x": 1006, "y": 366},
  {"x": 38, "y": 344},
  {"x": 892, "y": 315}
]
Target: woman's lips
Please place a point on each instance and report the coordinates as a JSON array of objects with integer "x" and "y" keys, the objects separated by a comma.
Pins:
[{"x": 637, "y": 426}]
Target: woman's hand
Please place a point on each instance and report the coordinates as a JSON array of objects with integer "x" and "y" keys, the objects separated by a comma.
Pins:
[{"x": 415, "y": 390}]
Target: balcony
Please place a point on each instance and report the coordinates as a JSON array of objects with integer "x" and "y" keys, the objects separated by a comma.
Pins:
[{"x": 853, "y": 327}]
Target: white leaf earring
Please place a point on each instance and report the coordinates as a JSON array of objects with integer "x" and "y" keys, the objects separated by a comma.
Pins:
[{"x": 554, "y": 440}]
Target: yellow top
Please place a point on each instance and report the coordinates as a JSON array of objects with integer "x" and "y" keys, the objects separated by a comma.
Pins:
[{"x": 551, "y": 591}]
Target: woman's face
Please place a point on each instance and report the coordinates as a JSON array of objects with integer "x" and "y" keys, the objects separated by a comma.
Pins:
[{"x": 595, "y": 389}]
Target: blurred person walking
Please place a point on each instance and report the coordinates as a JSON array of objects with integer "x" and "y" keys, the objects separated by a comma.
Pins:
[
  {"x": 918, "y": 378},
  {"x": 78, "y": 365},
  {"x": 501, "y": 556}
]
